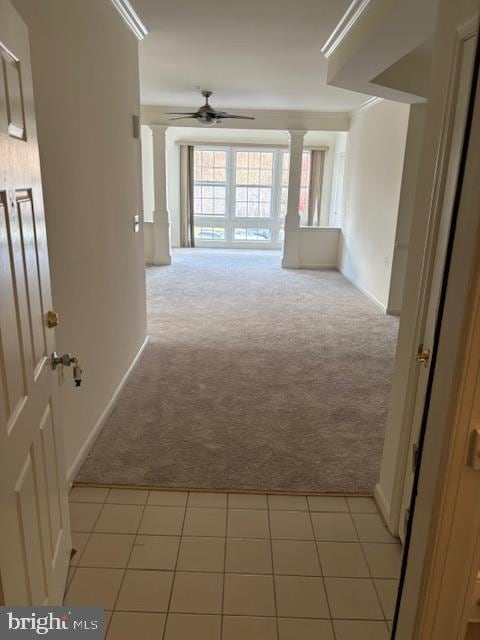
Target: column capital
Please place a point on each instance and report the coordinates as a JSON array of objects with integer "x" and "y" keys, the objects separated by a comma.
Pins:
[
  {"x": 296, "y": 134},
  {"x": 158, "y": 129}
]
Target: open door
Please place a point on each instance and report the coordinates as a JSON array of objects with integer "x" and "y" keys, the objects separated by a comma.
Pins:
[
  {"x": 35, "y": 538},
  {"x": 462, "y": 79}
]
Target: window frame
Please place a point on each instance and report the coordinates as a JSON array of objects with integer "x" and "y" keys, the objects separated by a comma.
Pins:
[{"x": 230, "y": 221}]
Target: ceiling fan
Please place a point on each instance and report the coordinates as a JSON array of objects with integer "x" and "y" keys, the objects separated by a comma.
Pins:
[{"x": 207, "y": 115}]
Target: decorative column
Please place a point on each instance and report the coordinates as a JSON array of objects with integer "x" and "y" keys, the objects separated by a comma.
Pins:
[
  {"x": 161, "y": 218},
  {"x": 292, "y": 218}
]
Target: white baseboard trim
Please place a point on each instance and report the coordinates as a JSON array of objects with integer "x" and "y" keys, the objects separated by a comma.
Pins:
[
  {"x": 161, "y": 261},
  {"x": 325, "y": 267},
  {"x": 366, "y": 292},
  {"x": 383, "y": 506},
  {"x": 95, "y": 432},
  {"x": 392, "y": 311}
]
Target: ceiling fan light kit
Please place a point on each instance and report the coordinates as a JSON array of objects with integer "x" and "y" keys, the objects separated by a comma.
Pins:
[{"x": 206, "y": 115}]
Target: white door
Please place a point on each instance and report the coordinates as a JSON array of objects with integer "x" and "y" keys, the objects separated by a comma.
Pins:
[
  {"x": 458, "y": 129},
  {"x": 34, "y": 524}
]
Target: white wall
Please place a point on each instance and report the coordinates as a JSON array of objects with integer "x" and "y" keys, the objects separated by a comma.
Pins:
[
  {"x": 374, "y": 166},
  {"x": 85, "y": 73},
  {"x": 147, "y": 174},
  {"x": 413, "y": 146}
]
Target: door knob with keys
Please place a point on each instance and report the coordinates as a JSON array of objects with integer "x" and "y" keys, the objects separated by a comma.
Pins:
[{"x": 66, "y": 360}]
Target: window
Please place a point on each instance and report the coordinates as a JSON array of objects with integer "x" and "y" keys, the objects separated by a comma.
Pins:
[
  {"x": 210, "y": 188},
  {"x": 252, "y": 234},
  {"x": 253, "y": 184},
  {"x": 304, "y": 186},
  {"x": 209, "y": 233},
  {"x": 240, "y": 195}
]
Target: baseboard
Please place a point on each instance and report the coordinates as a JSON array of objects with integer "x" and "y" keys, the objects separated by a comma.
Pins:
[
  {"x": 320, "y": 267},
  {"x": 95, "y": 432},
  {"x": 392, "y": 311},
  {"x": 383, "y": 505},
  {"x": 161, "y": 261},
  {"x": 366, "y": 292}
]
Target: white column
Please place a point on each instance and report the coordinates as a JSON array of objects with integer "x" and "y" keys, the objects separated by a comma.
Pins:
[
  {"x": 292, "y": 218},
  {"x": 161, "y": 219}
]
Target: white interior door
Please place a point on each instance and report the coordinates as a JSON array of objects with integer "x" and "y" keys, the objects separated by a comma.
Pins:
[
  {"x": 34, "y": 524},
  {"x": 464, "y": 78}
]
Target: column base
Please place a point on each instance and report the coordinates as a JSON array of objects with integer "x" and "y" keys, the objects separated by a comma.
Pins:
[
  {"x": 162, "y": 254},
  {"x": 161, "y": 261},
  {"x": 290, "y": 258},
  {"x": 288, "y": 264}
]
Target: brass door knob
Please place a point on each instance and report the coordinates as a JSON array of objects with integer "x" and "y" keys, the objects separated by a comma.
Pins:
[{"x": 52, "y": 319}]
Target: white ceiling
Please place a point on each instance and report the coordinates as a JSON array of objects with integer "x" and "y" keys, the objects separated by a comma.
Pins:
[{"x": 254, "y": 54}]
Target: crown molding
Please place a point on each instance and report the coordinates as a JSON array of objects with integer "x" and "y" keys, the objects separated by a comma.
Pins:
[
  {"x": 130, "y": 17},
  {"x": 349, "y": 18}
]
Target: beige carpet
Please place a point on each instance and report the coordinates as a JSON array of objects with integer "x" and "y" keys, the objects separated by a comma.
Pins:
[{"x": 255, "y": 377}]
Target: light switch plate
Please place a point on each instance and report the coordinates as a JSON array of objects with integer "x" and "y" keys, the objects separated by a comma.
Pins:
[{"x": 136, "y": 224}]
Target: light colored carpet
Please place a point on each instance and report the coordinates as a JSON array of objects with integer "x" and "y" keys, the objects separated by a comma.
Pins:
[{"x": 255, "y": 377}]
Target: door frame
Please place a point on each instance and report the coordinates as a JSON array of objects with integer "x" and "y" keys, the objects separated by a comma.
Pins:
[
  {"x": 442, "y": 555},
  {"x": 423, "y": 243}
]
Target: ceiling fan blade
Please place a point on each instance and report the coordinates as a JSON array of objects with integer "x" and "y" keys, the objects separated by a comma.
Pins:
[
  {"x": 192, "y": 117},
  {"x": 223, "y": 114},
  {"x": 181, "y": 113}
]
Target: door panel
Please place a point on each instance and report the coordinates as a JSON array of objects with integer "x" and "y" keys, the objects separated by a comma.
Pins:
[
  {"x": 35, "y": 539},
  {"x": 53, "y": 490},
  {"x": 15, "y": 386},
  {"x": 29, "y": 531},
  {"x": 32, "y": 277}
]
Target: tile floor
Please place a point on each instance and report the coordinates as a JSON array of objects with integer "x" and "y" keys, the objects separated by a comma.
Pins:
[{"x": 171, "y": 565}]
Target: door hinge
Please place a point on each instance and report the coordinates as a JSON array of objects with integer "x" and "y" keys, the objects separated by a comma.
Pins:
[
  {"x": 414, "y": 457},
  {"x": 406, "y": 518},
  {"x": 422, "y": 356},
  {"x": 474, "y": 457}
]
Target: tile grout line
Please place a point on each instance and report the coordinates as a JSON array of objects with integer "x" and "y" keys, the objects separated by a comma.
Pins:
[
  {"x": 222, "y": 615},
  {"x": 321, "y": 570},
  {"x": 128, "y": 559},
  {"x": 240, "y": 573},
  {"x": 174, "y": 574},
  {"x": 89, "y": 536},
  {"x": 274, "y": 584},
  {"x": 169, "y": 535},
  {"x": 370, "y": 573},
  {"x": 242, "y": 615},
  {"x": 245, "y": 491}
]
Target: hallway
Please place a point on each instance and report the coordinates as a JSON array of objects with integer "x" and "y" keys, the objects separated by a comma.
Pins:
[{"x": 255, "y": 377}]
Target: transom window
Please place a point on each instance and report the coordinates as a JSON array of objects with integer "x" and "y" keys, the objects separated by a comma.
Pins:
[{"x": 240, "y": 195}]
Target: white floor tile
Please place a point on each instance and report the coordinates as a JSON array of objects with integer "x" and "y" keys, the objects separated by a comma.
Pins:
[{"x": 353, "y": 599}]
